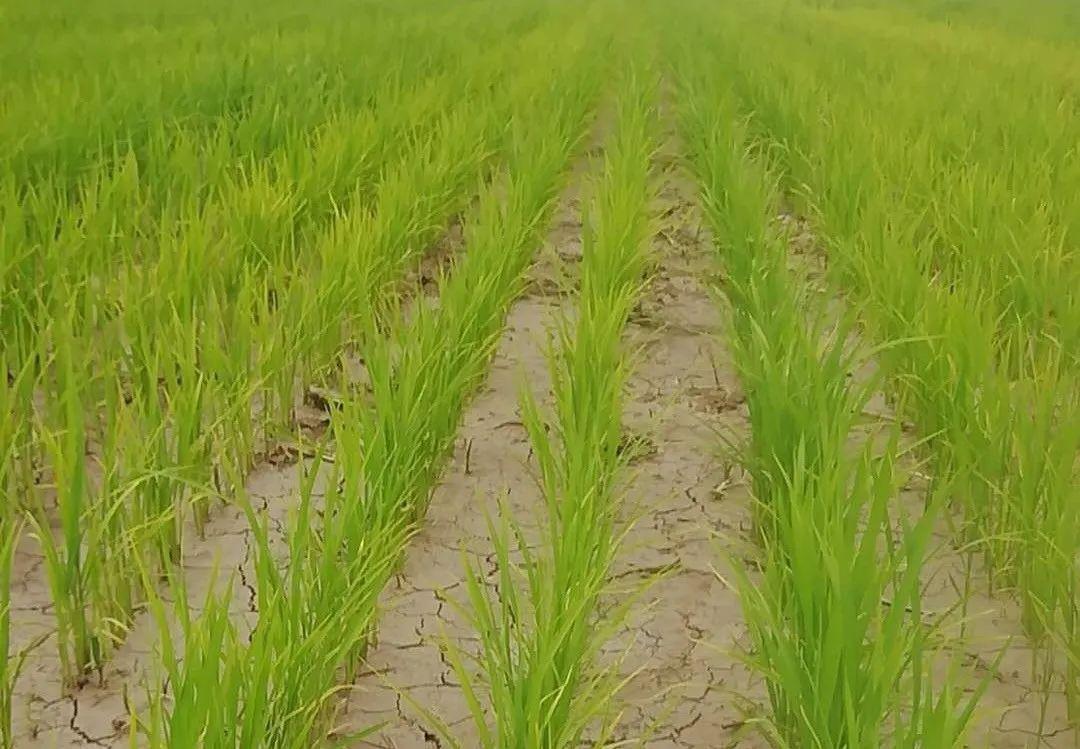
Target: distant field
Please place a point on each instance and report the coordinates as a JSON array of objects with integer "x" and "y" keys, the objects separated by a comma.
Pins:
[{"x": 539, "y": 374}]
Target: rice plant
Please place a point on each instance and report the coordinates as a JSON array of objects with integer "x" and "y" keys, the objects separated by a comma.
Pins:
[
  {"x": 284, "y": 680},
  {"x": 543, "y": 631},
  {"x": 972, "y": 232},
  {"x": 834, "y": 614},
  {"x": 211, "y": 212}
]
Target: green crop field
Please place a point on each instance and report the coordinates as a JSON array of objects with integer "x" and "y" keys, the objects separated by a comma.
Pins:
[{"x": 540, "y": 374}]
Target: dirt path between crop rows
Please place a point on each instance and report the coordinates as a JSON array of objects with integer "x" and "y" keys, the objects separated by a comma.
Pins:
[
  {"x": 688, "y": 498},
  {"x": 691, "y": 500},
  {"x": 683, "y": 391},
  {"x": 489, "y": 460}
]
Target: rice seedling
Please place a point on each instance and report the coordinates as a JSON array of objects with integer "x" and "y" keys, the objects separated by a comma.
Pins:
[
  {"x": 78, "y": 638},
  {"x": 390, "y": 448},
  {"x": 835, "y": 618},
  {"x": 973, "y": 236},
  {"x": 543, "y": 631},
  {"x": 208, "y": 212}
]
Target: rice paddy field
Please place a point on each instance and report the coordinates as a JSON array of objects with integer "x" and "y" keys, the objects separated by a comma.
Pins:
[{"x": 539, "y": 374}]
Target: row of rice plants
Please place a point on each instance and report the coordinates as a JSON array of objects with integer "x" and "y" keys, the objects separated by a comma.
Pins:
[
  {"x": 154, "y": 197},
  {"x": 833, "y": 606},
  {"x": 60, "y": 128},
  {"x": 991, "y": 202},
  {"x": 181, "y": 414},
  {"x": 541, "y": 669},
  {"x": 1003, "y": 430},
  {"x": 159, "y": 387},
  {"x": 277, "y": 686},
  {"x": 1010, "y": 428},
  {"x": 1006, "y": 213}
]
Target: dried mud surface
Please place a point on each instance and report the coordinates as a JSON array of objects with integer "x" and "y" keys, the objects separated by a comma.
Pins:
[
  {"x": 682, "y": 498},
  {"x": 691, "y": 504},
  {"x": 489, "y": 465},
  {"x": 687, "y": 500}
]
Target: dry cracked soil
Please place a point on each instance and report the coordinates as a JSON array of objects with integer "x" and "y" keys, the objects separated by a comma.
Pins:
[{"x": 687, "y": 505}]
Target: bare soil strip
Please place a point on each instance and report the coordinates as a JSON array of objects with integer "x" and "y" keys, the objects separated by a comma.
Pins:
[
  {"x": 489, "y": 464},
  {"x": 689, "y": 500}
]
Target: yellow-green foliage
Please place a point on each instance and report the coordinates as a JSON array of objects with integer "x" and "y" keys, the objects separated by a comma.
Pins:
[
  {"x": 208, "y": 207},
  {"x": 542, "y": 632},
  {"x": 939, "y": 168}
]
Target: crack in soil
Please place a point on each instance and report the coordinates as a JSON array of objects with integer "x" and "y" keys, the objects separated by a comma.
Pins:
[
  {"x": 73, "y": 724},
  {"x": 680, "y": 361},
  {"x": 252, "y": 596}
]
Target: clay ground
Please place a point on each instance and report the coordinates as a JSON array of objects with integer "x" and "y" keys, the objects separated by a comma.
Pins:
[{"x": 685, "y": 496}]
